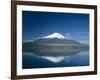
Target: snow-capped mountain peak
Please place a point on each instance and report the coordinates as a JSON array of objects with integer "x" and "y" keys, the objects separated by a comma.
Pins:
[{"x": 55, "y": 35}]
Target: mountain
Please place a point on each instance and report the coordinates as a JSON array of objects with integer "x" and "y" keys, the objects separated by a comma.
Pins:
[
  {"x": 55, "y": 35},
  {"x": 54, "y": 45}
]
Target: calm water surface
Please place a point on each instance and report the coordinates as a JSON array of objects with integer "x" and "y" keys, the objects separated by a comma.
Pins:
[{"x": 31, "y": 60}]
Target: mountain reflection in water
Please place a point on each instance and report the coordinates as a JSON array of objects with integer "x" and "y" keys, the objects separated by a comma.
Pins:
[{"x": 68, "y": 59}]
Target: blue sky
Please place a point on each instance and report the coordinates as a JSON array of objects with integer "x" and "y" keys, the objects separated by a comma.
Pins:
[{"x": 39, "y": 24}]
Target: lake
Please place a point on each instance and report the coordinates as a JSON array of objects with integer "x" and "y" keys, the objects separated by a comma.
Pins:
[{"x": 31, "y": 60}]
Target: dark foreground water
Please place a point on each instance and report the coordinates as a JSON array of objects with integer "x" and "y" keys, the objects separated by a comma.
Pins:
[{"x": 31, "y": 60}]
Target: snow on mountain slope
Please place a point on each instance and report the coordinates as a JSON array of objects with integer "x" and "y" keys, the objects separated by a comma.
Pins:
[{"x": 55, "y": 35}]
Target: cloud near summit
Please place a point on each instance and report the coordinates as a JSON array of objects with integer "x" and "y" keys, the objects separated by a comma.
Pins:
[{"x": 82, "y": 37}]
